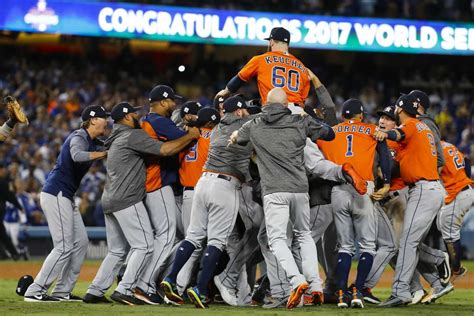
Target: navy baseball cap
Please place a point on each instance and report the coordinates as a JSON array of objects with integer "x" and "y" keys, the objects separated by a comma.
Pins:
[
  {"x": 422, "y": 98},
  {"x": 352, "y": 107},
  {"x": 23, "y": 283},
  {"x": 279, "y": 34},
  {"x": 218, "y": 101},
  {"x": 408, "y": 103},
  {"x": 388, "y": 111},
  {"x": 162, "y": 92},
  {"x": 94, "y": 111},
  {"x": 190, "y": 107},
  {"x": 120, "y": 110},
  {"x": 206, "y": 115},
  {"x": 234, "y": 103}
]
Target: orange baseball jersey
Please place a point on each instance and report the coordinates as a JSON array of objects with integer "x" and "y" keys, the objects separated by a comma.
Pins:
[
  {"x": 278, "y": 70},
  {"x": 396, "y": 183},
  {"x": 191, "y": 166},
  {"x": 417, "y": 154},
  {"x": 453, "y": 175},
  {"x": 355, "y": 144}
]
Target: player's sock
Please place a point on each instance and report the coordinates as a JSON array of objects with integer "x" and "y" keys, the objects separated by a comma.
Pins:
[
  {"x": 363, "y": 268},
  {"x": 454, "y": 251},
  {"x": 210, "y": 259},
  {"x": 183, "y": 253},
  {"x": 342, "y": 270}
]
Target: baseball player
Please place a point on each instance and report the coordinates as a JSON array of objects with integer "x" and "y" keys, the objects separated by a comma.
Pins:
[
  {"x": 354, "y": 144},
  {"x": 162, "y": 173},
  {"x": 418, "y": 169},
  {"x": 390, "y": 212},
  {"x": 286, "y": 200},
  {"x": 215, "y": 203},
  {"x": 190, "y": 171},
  {"x": 458, "y": 202},
  {"x": 64, "y": 220}
]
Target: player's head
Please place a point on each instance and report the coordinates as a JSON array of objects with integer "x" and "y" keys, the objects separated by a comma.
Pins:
[
  {"x": 219, "y": 105},
  {"x": 279, "y": 39},
  {"x": 353, "y": 109},
  {"x": 235, "y": 105},
  {"x": 207, "y": 117},
  {"x": 94, "y": 120},
  {"x": 387, "y": 120},
  {"x": 124, "y": 113},
  {"x": 423, "y": 100},
  {"x": 277, "y": 95},
  {"x": 163, "y": 100},
  {"x": 406, "y": 107},
  {"x": 189, "y": 111}
]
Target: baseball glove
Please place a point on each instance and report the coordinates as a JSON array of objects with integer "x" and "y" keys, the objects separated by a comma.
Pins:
[{"x": 15, "y": 111}]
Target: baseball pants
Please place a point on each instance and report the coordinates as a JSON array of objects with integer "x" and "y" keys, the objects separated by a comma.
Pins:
[
  {"x": 161, "y": 209},
  {"x": 127, "y": 228},
  {"x": 280, "y": 208},
  {"x": 354, "y": 216},
  {"x": 242, "y": 249},
  {"x": 279, "y": 284},
  {"x": 425, "y": 199},
  {"x": 13, "y": 231},
  {"x": 451, "y": 216},
  {"x": 70, "y": 247}
]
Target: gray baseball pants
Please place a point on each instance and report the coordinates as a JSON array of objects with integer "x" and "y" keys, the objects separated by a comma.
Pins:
[
  {"x": 128, "y": 227},
  {"x": 70, "y": 247}
]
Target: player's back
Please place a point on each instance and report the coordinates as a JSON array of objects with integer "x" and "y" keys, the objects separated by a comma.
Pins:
[
  {"x": 278, "y": 70},
  {"x": 453, "y": 175},
  {"x": 353, "y": 144}
]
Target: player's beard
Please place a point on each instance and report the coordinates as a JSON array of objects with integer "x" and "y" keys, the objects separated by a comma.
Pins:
[{"x": 136, "y": 123}]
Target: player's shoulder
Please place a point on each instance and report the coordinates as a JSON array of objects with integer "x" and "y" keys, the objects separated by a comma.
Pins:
[{"x": 445, "y": 144}]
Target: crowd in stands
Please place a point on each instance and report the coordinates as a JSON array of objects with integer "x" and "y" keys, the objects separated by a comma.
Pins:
[
  {"x": 457, "y": 10},
  {"x": 54, "y": 88}
]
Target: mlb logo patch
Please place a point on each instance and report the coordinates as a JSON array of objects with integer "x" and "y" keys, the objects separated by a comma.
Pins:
[{"x": 165, "y": 94}]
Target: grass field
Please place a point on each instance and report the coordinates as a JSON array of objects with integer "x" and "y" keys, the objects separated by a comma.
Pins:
[{"x": 459, "y": 302}]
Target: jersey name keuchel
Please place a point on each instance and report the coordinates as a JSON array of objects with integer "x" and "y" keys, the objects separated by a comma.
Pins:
[{"x": 284, "y": 60}]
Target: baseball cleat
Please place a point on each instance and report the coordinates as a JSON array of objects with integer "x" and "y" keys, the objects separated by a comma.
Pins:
[
  {"x": 318, "y": 298},
  {"x": 198, "y": 299},
  {"x": 444, "y": 270},
  {"x": 276, "y": 302},
  {"x": 125, "y": 299},
  {"x": 455, "y": 275},
  {"x": 342, "y": 299},
  {"x": 42, "y": 298},
  {"x": 228, "y": 295},
  {"x": 69, "y": 298},
  {"x": 369, "y": 297},
  {"x": 357, "y": 299},
  {"x": 295, "y": 295},
  {"x": 171, "y": 292},
  {"x": 417, "y": 297},
  {"x": 393, "y": 301},
  {"x": 436, "y": 294},
  {"x": 94, "y": 299},
  {"x": 147, "y": 298},
  {"x": 351, "y": 175},
  {"x": 330, "y": 297}
]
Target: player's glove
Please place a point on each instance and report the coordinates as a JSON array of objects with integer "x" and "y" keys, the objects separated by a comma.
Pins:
[{"x": 15, "y": 111}]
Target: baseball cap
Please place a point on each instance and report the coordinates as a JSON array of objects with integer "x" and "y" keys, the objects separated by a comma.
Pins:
[
  {"x": 352, "y": 107},
  {"x": 162, "y": 92},
  {"x": 422, "y": 98},
  {"x": 218, "y": 101},
  {"x": 279, "y": 34},
  {"x": 94, "y": 111},
  {"x": 23, "y": 283},
  {"x": 408, "y": 103},
  {"x": 234, "y": 103},
  {"x": 120, "y": 110},
  {"x": 206, "y": 115},
  {"x": 388, "y": 111},
  {"x": 190, "y": 107}
]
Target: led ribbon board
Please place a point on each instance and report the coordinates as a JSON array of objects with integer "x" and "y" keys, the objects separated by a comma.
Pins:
[{"x": 196, "y": 25}]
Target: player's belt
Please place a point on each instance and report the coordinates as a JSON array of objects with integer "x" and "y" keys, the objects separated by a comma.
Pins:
[
  {"x": 188, "y": 189},
  {"x": 412, "y": 185},
  {"x": 218, "y": 175},
  {"x": 467, "y": 187}
]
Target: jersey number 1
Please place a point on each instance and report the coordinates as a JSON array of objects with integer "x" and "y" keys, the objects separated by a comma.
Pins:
[
  {"x": 281, "y": 78},
  {"x": 349, "y": 152}
]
